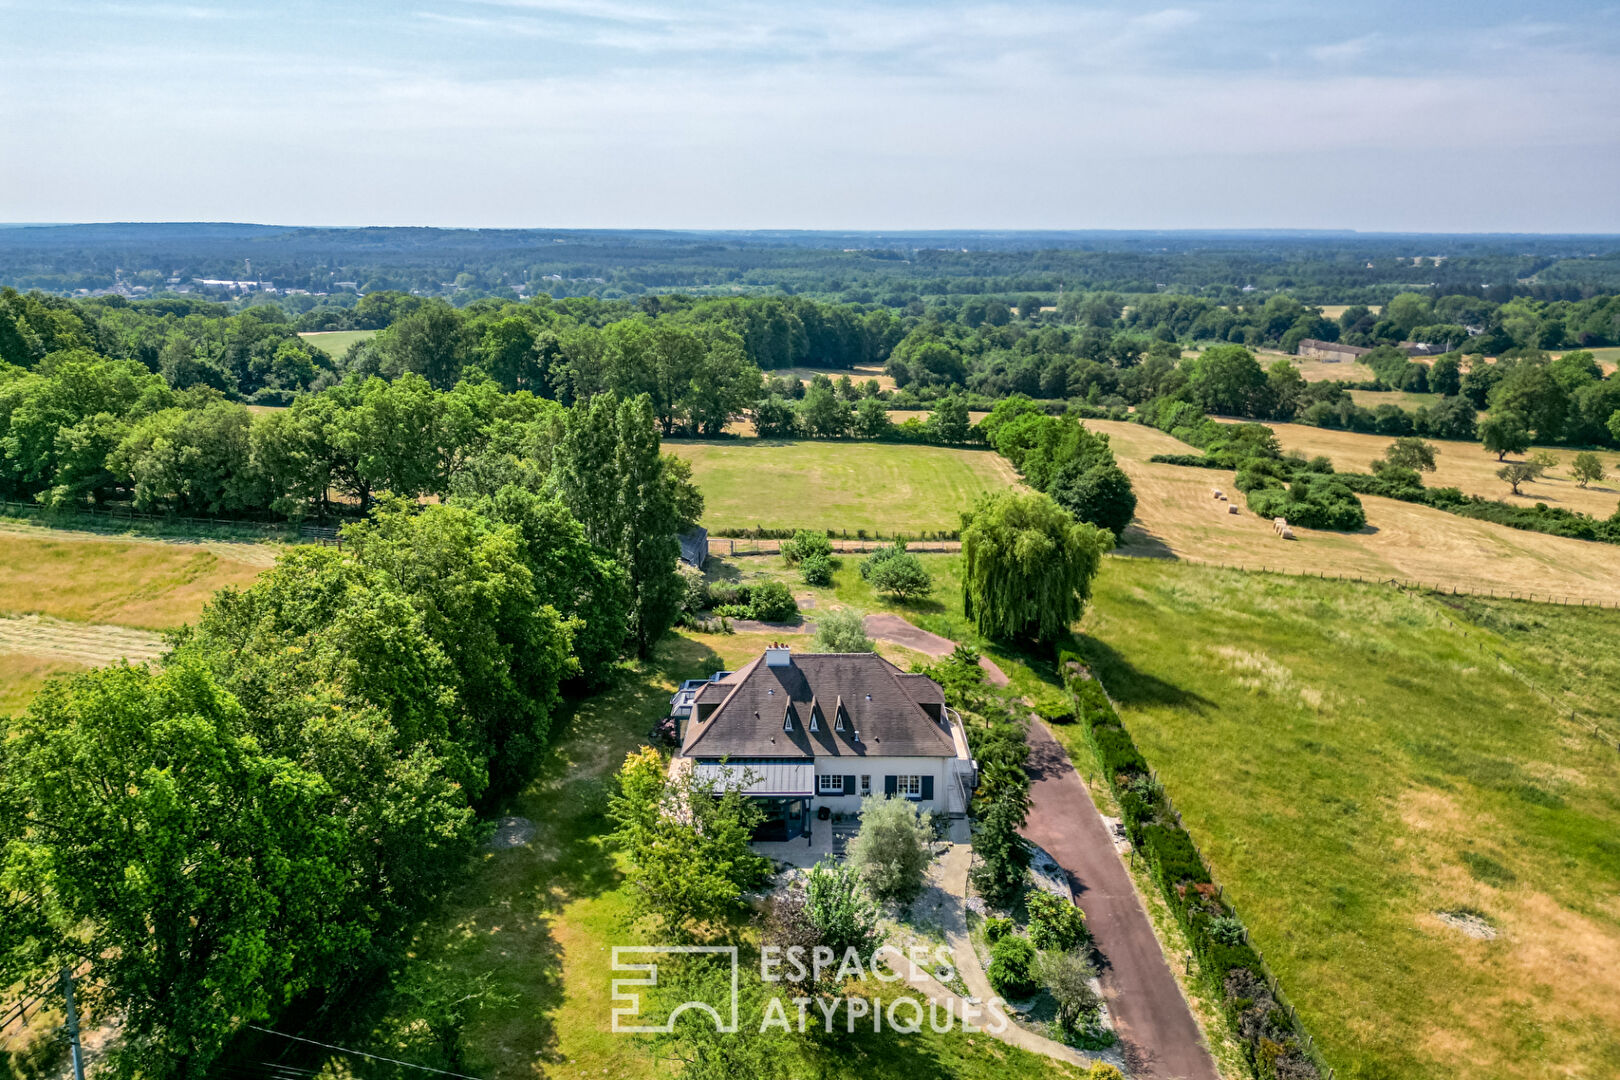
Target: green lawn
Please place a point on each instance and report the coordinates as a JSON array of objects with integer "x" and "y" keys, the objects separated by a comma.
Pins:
[
  {"x": 884, "y": 488},
  {"x": 1403, "y": 399},
  {"x": 541, "y": 921},
  {"x": 1353, "y": 765},
  {"x": 336, "y": 342}
]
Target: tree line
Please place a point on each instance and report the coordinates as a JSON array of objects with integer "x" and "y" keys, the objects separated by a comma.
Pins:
[{"x": 261, "y": 820}]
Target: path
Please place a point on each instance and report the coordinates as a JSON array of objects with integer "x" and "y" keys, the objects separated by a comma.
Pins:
[
  {"x": 1154, "y": 1022},
  {"x": 893, "y": 628},
  {"x": 946, "y": 899},
  {"x": 85, "y": 643}
]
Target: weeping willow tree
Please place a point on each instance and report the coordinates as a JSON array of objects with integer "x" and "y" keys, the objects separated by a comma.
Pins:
[{"x": 1027, "y": 566}]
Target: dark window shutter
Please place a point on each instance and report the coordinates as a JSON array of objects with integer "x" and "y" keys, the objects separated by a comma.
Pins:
[
  {"x": 928, "y": 788},
  {"x": 891, "y": 784},
  {"x": 849, "y": 785}
]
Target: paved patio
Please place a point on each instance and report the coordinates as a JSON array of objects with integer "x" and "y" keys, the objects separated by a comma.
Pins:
[{"x": 802, "y": 851}]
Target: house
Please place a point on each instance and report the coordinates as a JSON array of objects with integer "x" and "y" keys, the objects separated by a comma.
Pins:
[
  {"x": 1331, "y": 352},
  {"x": 803, "y": 732},
  {"x": 680, "y": 706}
]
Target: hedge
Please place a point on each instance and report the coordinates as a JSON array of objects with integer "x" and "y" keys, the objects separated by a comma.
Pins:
[
  {"x": 1232, "y": 971},
  {"x": 1334, "y": 511}
]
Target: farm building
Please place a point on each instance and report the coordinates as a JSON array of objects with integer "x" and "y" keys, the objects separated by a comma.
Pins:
[
  {"x": 1331, "y": 352},
  {"x": 1422, "y": 348}
]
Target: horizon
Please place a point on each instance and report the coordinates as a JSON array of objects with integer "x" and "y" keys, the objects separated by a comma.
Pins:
[
  {"x": 732, "y": 115},
  {"x": 965, "y": 230}
]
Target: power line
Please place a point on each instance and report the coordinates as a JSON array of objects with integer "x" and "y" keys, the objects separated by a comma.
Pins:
[{"x": 360, "y": 1053}]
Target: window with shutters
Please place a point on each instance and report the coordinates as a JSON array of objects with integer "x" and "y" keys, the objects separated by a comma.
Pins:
[
  {"x": 866, "y": 786},
  {"x": 829, "y": 785},
  {"x": 909, "y": 786}
]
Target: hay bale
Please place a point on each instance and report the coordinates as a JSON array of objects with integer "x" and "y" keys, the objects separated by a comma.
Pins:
[
  {"x": 1286, "y": 533},
  {"x": 1231, "y": 508},
  {"x": 1216, "y": 493}
]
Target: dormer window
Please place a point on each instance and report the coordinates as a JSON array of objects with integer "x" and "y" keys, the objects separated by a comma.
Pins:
[
  {"x": 815, "y": 715},
  {"x": 840, "y": 716},
  {"x": 790, "y": 717}
]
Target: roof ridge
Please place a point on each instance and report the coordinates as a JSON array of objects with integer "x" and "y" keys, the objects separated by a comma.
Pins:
[
  {"x": 895, "y": 673},
  {"x": 742, "y": 674}
]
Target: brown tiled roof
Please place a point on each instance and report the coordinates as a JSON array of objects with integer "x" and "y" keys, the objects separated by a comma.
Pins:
[{"x": 879, "y": 700}]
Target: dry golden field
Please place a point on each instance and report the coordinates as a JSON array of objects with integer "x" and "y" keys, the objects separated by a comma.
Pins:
[
  {"x": 1318, "y": 370},
  {"x": 1335, "y": 311},
  {"x": 1465, "y": 466},
  {"x": 859, "y": 374},
  {"x": 73, "y": 600},
  {"x": 1411, "y": 402},
  {"x": 89, "y": 578},
  {"x": 1177, "y": 517}
]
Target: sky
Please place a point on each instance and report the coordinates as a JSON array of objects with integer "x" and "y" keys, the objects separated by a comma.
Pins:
[{"x": 1417, "y": 115}]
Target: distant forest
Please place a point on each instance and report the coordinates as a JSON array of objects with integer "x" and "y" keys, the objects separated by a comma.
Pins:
[{"x": 893, "y": 270}]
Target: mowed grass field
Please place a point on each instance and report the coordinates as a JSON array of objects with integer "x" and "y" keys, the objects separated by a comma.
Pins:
[
  {"x": 335, "y": 343},
  {"x": 883, "y": 488},
  {"x": 88, "y": 578},
  {"x": 1313, "y": 370},
  {"x": 1177, "y": 517},
  {"x": 1466, "y": 466},
  {"x": 22, "y": 674},
  {"x": 1353, "y": 767},
  {"x": 1411, "y": 402}
]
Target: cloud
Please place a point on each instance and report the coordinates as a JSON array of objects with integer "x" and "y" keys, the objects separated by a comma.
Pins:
[
  {"x": 736, "y": 113},
  {"x": 1343, "y": 51}
]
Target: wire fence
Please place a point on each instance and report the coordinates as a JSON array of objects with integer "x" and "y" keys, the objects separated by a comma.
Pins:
[
  {"x": 721, "y": 545},
  {"x": 94, "y": 517},
  {"x": 1443, "y": 588}
]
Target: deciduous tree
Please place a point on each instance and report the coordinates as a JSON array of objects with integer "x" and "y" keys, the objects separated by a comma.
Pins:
[{"x": 1027, "y": 566}]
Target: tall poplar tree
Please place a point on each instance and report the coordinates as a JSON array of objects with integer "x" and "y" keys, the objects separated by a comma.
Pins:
[{"x": 610, "y": 473}]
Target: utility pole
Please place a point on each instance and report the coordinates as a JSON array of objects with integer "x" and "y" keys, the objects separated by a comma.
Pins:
[{"x": 72, "y": 1024}]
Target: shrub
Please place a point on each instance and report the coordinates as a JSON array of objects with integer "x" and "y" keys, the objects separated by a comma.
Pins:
[
  {"x": 1068, "y": 978},
  {"x": 1055, "y": 923},
  {"x": 1116, "y": 751},
  {"x": 896, "y": 571},
  {"x": 997, "y": 927},
  {"x": 1003, "y": 852},
  {"x": 891, "y": 851},
  {"x": 1054, "y": 706},
  {"x": 816, "y": 570},
  {"x": 771, "y": 601},
  {"x": 837, "y": 905},
  {"x": 1170, "y": 851},
  {"x": 728, "y": 594},
  {"x": 697, "y": 596},
  {"x": 1311, "y": 502},
  {"x": 1102, "y": 1070},
  {"x": 1225, "y": 930},
  {"x": 806, "y": 544},
  {"x": 1012, "y": 968},
  {"x": 842, "y": 631}
]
